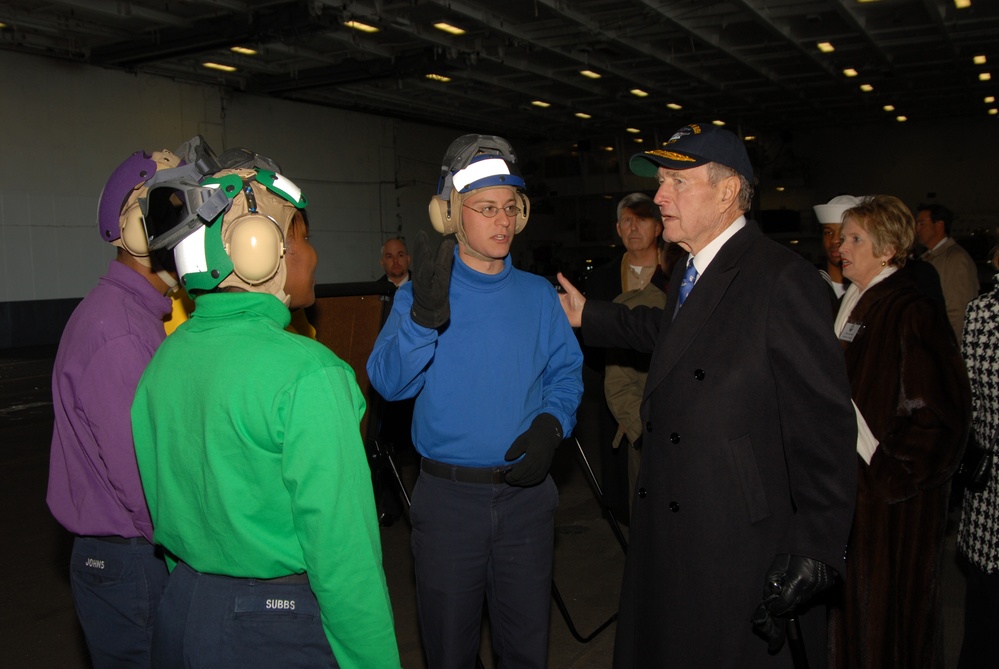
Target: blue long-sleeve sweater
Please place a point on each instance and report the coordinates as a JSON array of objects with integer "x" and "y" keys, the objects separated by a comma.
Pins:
[{"x": 507, "y": 355}]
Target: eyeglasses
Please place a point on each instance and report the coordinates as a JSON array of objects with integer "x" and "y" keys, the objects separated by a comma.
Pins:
[{"x": 489, "y": 211}]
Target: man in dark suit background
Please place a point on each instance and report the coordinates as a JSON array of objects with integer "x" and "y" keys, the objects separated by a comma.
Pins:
[
  {"x": 639, "y": 226},
  {"x": 748, "y": 478},
  {"x": 395, "y": 261},
  {"x": 396, "y": 417}
]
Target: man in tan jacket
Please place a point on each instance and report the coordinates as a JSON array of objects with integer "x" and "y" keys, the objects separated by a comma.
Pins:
[{"x": 958, "y": 274}]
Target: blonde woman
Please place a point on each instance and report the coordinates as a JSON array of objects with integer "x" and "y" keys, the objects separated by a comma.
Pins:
[{"x": 911, "y": 389}]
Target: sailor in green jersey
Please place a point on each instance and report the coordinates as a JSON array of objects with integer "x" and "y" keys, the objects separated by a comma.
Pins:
[{"x": 249, "y": 449}]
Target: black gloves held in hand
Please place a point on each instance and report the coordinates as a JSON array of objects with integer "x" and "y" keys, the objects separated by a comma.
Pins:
[
  {"x": 431, "y": 282},
  {"x": 791, "y": 581},
  {"x": 537, "y": 445}
]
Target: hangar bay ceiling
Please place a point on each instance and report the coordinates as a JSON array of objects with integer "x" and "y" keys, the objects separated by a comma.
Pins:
[{"x": 551, "y": 69}]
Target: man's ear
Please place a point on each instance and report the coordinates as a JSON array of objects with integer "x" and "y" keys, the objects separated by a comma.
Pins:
[{"x": 730, "y": 190}]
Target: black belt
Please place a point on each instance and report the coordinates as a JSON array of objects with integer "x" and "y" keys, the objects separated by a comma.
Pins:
[
  {"x": 133, "y": 541},
  {"x": 464, "y": 474},
  {"x": 290, "y": 579}
]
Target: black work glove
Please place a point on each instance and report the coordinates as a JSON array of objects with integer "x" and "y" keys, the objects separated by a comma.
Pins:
[
  {"x": 537, "y": 445},
  {"x": 791, "y": 581},
  {"x": 431, "y": 282}
]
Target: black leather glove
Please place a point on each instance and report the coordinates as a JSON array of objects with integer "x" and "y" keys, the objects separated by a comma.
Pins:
[
  {"x": 431, "y": 282},
  {"x": 537, "y": 445},
  {"x": 791, "y": 581}
]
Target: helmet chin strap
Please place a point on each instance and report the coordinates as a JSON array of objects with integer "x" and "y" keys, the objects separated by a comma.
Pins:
[
  {"x": 142, "y": 260},
  {"x": 467, "y": 249},
  {"x": 169, "y": 279},
  {"x": 166, "y": 277}
]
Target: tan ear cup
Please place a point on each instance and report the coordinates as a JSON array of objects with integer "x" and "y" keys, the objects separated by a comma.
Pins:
[
  {"x": 445, "y": 215},
  {"x": 255, "y": 245},
  {"x": 525, "y": 212},
  {"x": 133, "y": 232},
  {"x": 439, "y": 211}
]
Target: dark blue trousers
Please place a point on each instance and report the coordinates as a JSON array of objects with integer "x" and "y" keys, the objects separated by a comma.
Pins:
[
  {"x": 116, "y": 592},
  {"x": 213, "y": 622},
  {"x": 476, "y": 543}
]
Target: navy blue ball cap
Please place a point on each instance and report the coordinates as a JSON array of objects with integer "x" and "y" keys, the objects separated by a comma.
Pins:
[{"x": 692, "y": 146}]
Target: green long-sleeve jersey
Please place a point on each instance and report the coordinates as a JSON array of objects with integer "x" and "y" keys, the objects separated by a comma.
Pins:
[{"x": 253, "y": 465}]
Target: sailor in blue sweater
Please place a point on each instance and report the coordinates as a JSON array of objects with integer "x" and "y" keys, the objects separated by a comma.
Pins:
[{"x": 496, "y": 372}]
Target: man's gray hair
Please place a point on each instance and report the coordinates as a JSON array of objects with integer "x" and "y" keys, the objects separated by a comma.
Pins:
[
  {"x": 717, "y": 172},
  {"x": 641, "y": 204}
]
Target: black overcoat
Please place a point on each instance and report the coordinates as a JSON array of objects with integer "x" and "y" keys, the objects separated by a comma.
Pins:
[{"x": 749, "y": 451}]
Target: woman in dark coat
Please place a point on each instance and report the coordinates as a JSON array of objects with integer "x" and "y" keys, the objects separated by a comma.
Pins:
[{"x": 911, "y": 388}]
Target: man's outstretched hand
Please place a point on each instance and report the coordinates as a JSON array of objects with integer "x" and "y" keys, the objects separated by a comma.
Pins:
[{"x": 572, "y": 302}]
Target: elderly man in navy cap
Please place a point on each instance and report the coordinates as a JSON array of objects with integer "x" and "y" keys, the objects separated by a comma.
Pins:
[{"x": 746, "y": 490}]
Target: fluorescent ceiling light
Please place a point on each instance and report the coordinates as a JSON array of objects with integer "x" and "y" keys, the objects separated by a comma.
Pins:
[
  {"x": 993, "y": 111},
  {"x": 962, "y": 4},
  {"x": 218, "y": 66},
  {"x": 634, "y": 131},
  {"x": 590, "y": 74},
  {"x": 583, "y": 115},
  {"x": 749, "y": 138},
  {"x": 780, "y": 189},
  {"x": 984, "y": 76},
  {"x": 449, "y": 29},
  {"x": 608, "y": 148},
  {"x": 638, "y": 92},
  {"x": 867, "y": 88},
  {"x": 850, "y": 72},
  {"x": 674, "y": 106},
  {"x": 889, "y": 108},
  {"x": 901, "y": 119},
  {"x": 243, "y": 51},
  {"x": 363, "y": 27},
  {"x": 541, "y": 103},
  {"x": 639, "y": 140},
  {"x": 438, "y": 77},
  {"x": 989, "y": 99},
  {"x": 979, "y": 60},
  {"x": 826, "y": 47},
  {"x": 718, "y": 123}
]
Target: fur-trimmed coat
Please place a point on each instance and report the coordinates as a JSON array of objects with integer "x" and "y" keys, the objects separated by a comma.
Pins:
[{"x": 909, "y": 381}]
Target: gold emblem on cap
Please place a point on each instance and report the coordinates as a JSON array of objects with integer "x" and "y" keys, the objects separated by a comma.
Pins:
[{"x": 671, "y": 155}]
